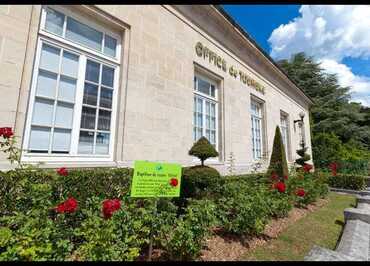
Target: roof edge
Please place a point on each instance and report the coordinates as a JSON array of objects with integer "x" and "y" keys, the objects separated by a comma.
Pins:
[{"x": 263, "y": 52}]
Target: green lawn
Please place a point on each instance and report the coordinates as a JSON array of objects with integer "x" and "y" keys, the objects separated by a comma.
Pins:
[{"x": 321, "y": 227}]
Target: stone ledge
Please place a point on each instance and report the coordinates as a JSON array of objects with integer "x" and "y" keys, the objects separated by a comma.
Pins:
[
  {"x": 357, "y": 214},
  {"x": 322, "y": 254},
  {"x": 351, "y": 191},
  {"x": 363, "y": 199},
  {"x": 354, "y": 241}
]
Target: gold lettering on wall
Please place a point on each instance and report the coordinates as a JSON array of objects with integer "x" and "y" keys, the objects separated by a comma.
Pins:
[{"x": 218, "y": 61}]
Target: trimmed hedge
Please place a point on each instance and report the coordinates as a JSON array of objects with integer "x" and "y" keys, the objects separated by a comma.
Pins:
[
  {"x": 347, "y": 181},
  {"x": 31, "y": 231},
  {"x": 357, "y": 167}
]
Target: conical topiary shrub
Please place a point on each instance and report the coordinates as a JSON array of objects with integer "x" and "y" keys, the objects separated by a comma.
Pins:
[
  {"x": 203, "y": 150},
  {"x": 278, "y": 162}
]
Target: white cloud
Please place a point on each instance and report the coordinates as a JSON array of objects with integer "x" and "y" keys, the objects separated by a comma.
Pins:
[
  {"x": 360, "y": 84},
  {"x": 329, "y": 33}
]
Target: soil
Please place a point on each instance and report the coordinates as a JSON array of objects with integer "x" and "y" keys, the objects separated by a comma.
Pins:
[{"x": 224, "y": 247}]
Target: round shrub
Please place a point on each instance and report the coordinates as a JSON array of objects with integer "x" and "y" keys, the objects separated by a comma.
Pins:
[{"x": 198, "y": 180}]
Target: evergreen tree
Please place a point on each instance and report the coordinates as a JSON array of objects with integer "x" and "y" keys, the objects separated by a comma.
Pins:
[
  {"x": 278, "y": 162},
  {"x": 203, "y": 150},
  {"x": 332, "y": 111}
]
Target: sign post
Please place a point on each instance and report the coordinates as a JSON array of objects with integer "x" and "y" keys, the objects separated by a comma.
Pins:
[{"x": 155, "y": 180}]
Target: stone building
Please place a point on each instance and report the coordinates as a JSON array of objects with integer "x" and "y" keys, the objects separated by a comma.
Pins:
[{"x": 107, "y": 85}]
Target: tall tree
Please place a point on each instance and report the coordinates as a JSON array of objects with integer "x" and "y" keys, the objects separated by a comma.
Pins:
[{"x": 332, "y": 111}]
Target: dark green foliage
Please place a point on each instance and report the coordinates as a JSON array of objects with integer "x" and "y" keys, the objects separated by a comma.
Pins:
[
  {"x": 203, "y": 150},
  {"x": 278, "y": 162},
  {"x": 314, "y": 185},
  {"x": 31, "y": 231},
  {"x": 242, "y": 208},
  {"x": 184, "y": 240},
  {"x": 198, "y": 180},
  {"x": 348, "y": 181},
  {"x": 326, "y": 148},
  {"x": 353, "y": 166},
  {"x": 332, "y": 110}
]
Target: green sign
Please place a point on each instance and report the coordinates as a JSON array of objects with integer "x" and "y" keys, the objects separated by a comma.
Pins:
[{"x": 153, "y": 179}]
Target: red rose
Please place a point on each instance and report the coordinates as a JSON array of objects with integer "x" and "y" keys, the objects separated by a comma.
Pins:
[
  {"x": 174, "y": 182},
  {"x": 300, "y": 192},
  {"x": 6, "y": 132},
  {"x": 62, "y": 171},
  {"x": 285, "y": 177},
  {"x": 70, "y": 205},
  {"x": 110, "y": 206},
  {"x": 280, "y": 186},
  {"x": 333, "y": 167},
  {"x": 307, "y": 167},
  {"x": 274, "y": 176}
]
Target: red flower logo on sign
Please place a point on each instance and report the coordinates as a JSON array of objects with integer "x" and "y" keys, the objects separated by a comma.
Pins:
[{"x": 174, "y": 182}]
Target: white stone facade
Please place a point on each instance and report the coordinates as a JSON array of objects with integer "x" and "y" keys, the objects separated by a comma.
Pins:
[{"x": 155, "y": 95}]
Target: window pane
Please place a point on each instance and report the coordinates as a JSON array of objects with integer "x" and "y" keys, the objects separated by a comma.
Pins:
[
  {"x": 88, "y": 117},
  {"x": 64, "y": 115},
  {"x": 46, "y": 83},
  {"x": 200, "y": 120},
  {"x": 213, "y": 137},
  {"x": 83, "y": 34},
  {"x": 104, "y": 120},
  {"x": 61, "y": 140},
  {"x": 67, "y": 89},
  {"x": 213, "y": 91},
  {"x": 107, "y": 76},
  {"x": 39, "y": 139},
  {"x": 213, "y": 123},
  {"x": 43, "y": 112},
  {"x": 208, "y": 135},
  {"x": 90, "y": 94},
  {"x": 49, "y": 58},
  {"x": 207, "y": 108},
  {"x": 92, "y": 71},
  {"x": 200, "y": 106},
  {"x": 86, "y": 142},
  {"x": 199, "y": 133},
  {"x": 110, "y": 46},
  {"x": 106, "y": 97},
  {"x": 102, "y": 143},
  {"x": 203, "y": 86},
  {"x": 213, "y": 110},
  {"x": 70, "y": 64},
  {"x": 54, "y": 21}
]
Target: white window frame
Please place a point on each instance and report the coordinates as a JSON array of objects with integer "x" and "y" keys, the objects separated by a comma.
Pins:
[
  {"x": 90, "y": 23},
  {"x": 285, "y": 116},
  {"x": 214, "y": 100},
  {"x": 261, "y": 122},
  {"x": 84, "y": 55}
]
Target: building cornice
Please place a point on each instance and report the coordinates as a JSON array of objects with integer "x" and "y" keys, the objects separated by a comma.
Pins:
[
  {"x": 252, "y": 42},
  {"x": 236, "y": 40}
]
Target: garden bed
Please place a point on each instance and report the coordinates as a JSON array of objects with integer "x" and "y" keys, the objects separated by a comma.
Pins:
[
  {"x": 223, "y": 247},
  {"x": 321, "y": 227}
]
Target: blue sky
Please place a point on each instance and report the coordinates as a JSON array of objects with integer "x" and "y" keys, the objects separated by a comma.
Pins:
[{"x": 336, "y": 36}]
